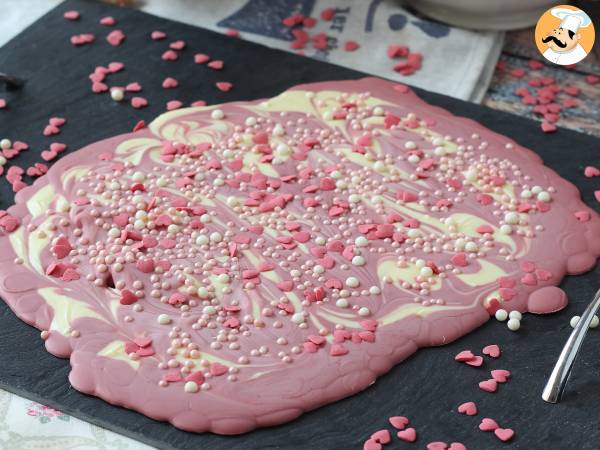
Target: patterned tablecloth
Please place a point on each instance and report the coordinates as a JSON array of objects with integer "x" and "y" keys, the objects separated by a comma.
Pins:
[{"x": 26, "y": 425}]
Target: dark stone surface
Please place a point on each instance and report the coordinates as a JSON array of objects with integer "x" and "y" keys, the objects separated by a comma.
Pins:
[{"x": 427, "y": 387}]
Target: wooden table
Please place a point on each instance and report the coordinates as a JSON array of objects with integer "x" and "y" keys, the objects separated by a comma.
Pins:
[{"x": 519, "y": 48}]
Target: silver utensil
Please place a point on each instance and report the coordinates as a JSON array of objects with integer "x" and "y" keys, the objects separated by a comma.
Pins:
[{"x": 560, "y": 374}]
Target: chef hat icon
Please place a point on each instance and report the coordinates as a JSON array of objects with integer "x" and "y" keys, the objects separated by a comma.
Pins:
[{"x": 570, "y": 19}]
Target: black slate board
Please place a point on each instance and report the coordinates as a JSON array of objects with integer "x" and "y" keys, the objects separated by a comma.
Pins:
[{"x": 427, "y": 387}]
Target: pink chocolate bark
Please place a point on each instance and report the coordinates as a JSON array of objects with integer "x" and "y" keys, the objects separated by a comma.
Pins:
[{"x": 232, "y": 267}]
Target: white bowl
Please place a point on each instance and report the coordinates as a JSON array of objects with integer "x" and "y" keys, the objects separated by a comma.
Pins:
[{"x": 484, "y": 14}]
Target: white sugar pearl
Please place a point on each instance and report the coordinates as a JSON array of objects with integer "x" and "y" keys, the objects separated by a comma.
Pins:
[
  {"x": 426, "y": 271},
  {"x": 117, "y": 94},
  {"x": 544, "y": 196},
  {"x": 210, "y": 310},
  {"x": 536, "y": 190},
  {"x": 378, "y": 111},
  {"x": 318, "y": 269},
  {"x": 511, "y": 218},
  {"x": 471, "y": 247},
  {"x": 163, "y": 319},
  {"x": 410, "y": 145},
  {"x": 526, "y": 193},
  {"x": 379, "y": 166},
  {"x": 173, "y": 228},
  {"x": 162, "y": 182},
  {"x": 205, "y": 218},
  {"x": 202, "y": 240},
  {"x": 202, "y": 292},
  {"x": 374, "y": 290},
  {"x": 505, "y": 229},
  {"x": 514, "y": 324},
  {"x": 139, "y": 224},
  {"x": 361, "y": 241},
  {"x": 283, "y": 150},
  {"x": 5, "y": 144},
  {"x": 501, "y": 315},
  {"x": 439, "y": 151},
  {"x": 215, "y": 236},
  {"x": 595, "y": 322},
  {"x": 364, "y": 311},
  {"x": 224, "y": 278},
  {"x": 232, "y": 202},
  {"x": 114, "y": 232},
  {"x": 358, "y": 261},
  {"x": 217, "y": 114},
  {"x": 471, "y": 175},
  {"x": 413, "y": 159},
  {"x": 574, "y": 321},
  {"x": 138, "y": 176},
  {"x": 515, "y": 315},
  {"x": 342, "y": 303},
  {"x": 354, "y": 198},
  {"x": 298, "y": 318},
  {"x": 191, "y": 387},
  {"x": 2, "y": 160},
  {"x": 278, "y": 130},
  {"x": 250, "y": 121},
  {"x": 352, "y": 282},
  {"x": 420, "y": 263}
]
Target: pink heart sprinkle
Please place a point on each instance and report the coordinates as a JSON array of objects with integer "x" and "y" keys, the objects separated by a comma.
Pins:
[
  {"x": 98, "y": 87},
  {"x": 115, "y": 67},
  {"x": 468, "y": 408},
  {"x": 583, "y": 216},
  {"x": 158, "y": 35},
  {"x": 58, "y": 147},
  {"x": 169, "y": 55},
  {"x": 408, "y": 435},
  {"x": 57, "y": 121},
  {"x": 382, "y": 436},
  {"x": 477, "y": 361},
  {"x": 224, "y": 86},
  {"x": 488, "y": 424},
  {"x": 48, "y": 155},
  {"x": 108, "y": 21},
  {"x": 437, "y": 446},
  {"x": 174, "y": 104},
  {"x": 115, "y": 37},
  {"x": 201, "y": 58},
  {"x": 2, "y": 103},
  {"x": 133, "y": 87},
  {"x": 169, "y": 83},
  {"x": 490, "y": 385},
  {"x": 597, "y": 195},
  {"x": 51, "y": 130},
  {"x": 504, "y": 434},
  {"x": 492, "y": 350},
  {"x": 217, "y": 64},
  {"x": 139, "y": 102},
  {"x": 500, "y": 375},
  {"x": 372, "y": 444},
  {"x": 177, "y": 45},
  {"x": 71, "y": 15},
  {"x": 465, "y": 355},
  {"x": 457, "y": 446},
  {"x": 591, "y": 171}
]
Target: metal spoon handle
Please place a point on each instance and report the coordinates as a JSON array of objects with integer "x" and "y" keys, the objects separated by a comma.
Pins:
[{"x": 560, "y": 374}]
